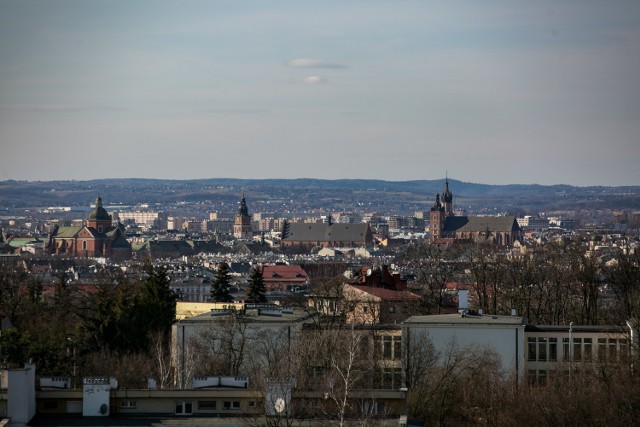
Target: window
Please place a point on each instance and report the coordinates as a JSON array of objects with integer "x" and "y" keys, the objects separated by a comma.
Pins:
[
  {"x": 553, "y": 349},
  {"x": 184, "y": 407},
  {"x": 565, "y": 349},
  {"x": 99, "y": 229},
  {"x": 84, "y": 245},
  {"x": 397, "y": 378},
  {"x": 602, "y": 349},
  {"x": 387, "y": 378},
  {"x": 233, "y": 404},
  {"x": 542, "y": 377},
  {"x": 613, "y": 343},
  {"x": 206, "y": 405},
  {"x": 387, "y": 347},
  {"x": 397, "y": 347},
  {"x": 588, "y": 349},
  {"x": 542, "y": 349},
  {"x": 624, "y": 348},
  {"x": 532, "y": 348},
  {"x": 128, "y": 404},
  {"x": 577, "y": 349}
]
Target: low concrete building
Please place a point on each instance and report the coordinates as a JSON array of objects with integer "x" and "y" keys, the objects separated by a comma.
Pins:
[{"x": 504, "y": 335}]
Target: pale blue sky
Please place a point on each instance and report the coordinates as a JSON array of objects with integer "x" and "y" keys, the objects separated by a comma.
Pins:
[{"x": 491, "y": 91}]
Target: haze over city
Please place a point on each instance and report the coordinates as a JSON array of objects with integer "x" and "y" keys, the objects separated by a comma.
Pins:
[{"x": 493, "y": 92}]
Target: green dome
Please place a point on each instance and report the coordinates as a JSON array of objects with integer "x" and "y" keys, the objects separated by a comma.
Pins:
[{"x": 99, "y": 213}]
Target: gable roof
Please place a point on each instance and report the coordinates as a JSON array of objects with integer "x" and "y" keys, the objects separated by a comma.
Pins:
[
  {"x": 67, "y": 232},
  {"x": 481, "y": 223},
  {"x": 324, "y": 232}
]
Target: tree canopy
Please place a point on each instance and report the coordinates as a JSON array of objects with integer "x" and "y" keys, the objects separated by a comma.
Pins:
[{"x": 220, "y": 289}]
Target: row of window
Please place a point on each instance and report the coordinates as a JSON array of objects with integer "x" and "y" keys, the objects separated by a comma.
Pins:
[
  {"x": 185, "y": 407},
  {"x": 389, "y": 347},
  {"x": 545, "y": 349}
]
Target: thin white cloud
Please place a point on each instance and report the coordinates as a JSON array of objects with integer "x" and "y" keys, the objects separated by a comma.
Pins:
[
  {"x": 313, "y": 63},
  {"x": 312, "y": 80}
]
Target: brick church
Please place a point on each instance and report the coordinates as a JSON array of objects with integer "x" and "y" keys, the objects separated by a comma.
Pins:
[
  {"x": 99, "y": 237},
  {"x": 446, "y": 227}
]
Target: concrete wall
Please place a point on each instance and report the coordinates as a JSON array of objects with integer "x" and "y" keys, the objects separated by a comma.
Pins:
[
  {"x": 21, "y": 395},
  {"x": 506, "y": 341}
]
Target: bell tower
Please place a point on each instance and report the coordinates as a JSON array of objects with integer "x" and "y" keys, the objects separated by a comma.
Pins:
[
  {"x": 242, "y": 223},
  {"x": 436, "y": 220},
  {"x": 447, "y": 198}
]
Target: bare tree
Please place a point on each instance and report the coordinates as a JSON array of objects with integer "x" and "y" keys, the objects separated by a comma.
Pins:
[
  {"x": 346, "y": 371},
  {"x": 222, "y": 346},
  {"x": 435, "y": 266},
  {"x": 160, "y": 353}
]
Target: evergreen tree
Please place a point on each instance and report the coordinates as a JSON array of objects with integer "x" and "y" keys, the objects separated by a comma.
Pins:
[
  {"x": 158, "y": 300},
  {"x": 256, "y": 287},
  {"x": 220, "y": 290}
]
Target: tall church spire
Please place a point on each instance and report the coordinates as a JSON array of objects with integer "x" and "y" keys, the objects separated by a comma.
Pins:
[{"x": 447, "y": 197}]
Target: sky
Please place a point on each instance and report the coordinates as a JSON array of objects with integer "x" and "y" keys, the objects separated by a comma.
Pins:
[{"x": 492, "y": 92}]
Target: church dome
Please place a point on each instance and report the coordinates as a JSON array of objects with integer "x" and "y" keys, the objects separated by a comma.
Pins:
[{"x": 99, "y": 213}]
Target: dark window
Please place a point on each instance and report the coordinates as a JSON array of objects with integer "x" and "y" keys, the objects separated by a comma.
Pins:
[
  {"x": 50, "y": 404},
  {"x": 553, "y": 349},
  {"x": 234, "y": 404},
  {"x": 532, "y": 348},
  {"x": 387, "y": 347},
  {"x": 397, "y": 347},
  {"x": 206, "y": 404}
]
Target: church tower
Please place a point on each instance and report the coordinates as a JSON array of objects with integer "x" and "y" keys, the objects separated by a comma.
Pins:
[
  {"x": 437, "y": 217},
  {"x": 242, "y": 224},
  {"x": 447, "y": 198},
  {"x": 98, "y": 218}
]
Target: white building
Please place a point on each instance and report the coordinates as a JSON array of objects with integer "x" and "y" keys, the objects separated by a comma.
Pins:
[
  {"x": 532, "y": 222},
  {"x": 148, "y": 219},
  {"x": 504, "y": 335}
]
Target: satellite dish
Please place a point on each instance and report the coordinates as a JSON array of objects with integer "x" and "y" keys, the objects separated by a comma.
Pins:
[
  {"x": 369, "y": 272},
  {"x": 104, "y": 409},
  {"x": 279, "y": 405}
]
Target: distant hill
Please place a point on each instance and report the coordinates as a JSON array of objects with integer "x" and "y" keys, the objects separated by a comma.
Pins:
[{"x": 406, "y": 194}]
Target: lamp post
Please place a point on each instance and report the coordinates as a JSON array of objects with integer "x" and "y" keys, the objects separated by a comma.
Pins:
[{"x": 570, "y": 348}]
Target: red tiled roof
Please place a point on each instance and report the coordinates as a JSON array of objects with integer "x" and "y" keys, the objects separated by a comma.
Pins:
[{"x": 283, "y": 272}]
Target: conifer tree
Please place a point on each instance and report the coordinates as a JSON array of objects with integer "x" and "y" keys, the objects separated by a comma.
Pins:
[
  {"x": 220, "y": 289},
  {"x": 256, "y": 287}
]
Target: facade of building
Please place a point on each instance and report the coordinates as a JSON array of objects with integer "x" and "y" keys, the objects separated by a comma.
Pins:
[
  {"x": 147, "y": 218},
  {"x": 242, "y": 223},
  {"x": 99, "y": 237},
  {"x": 446, "y": 227},
  {"x": 533, "y": 352},
  {"x": 327, "y": 235},
  {"x": 532, "y": 223},
  {"x": 283, "y": 278},
  {"x": 504, "y": 335}
]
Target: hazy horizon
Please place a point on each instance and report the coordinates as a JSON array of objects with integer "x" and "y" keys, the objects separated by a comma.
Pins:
[{"x": 491, "y": 92}]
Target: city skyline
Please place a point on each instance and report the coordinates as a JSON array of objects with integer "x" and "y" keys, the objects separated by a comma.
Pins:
[{"x": 491, "y": 92}]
